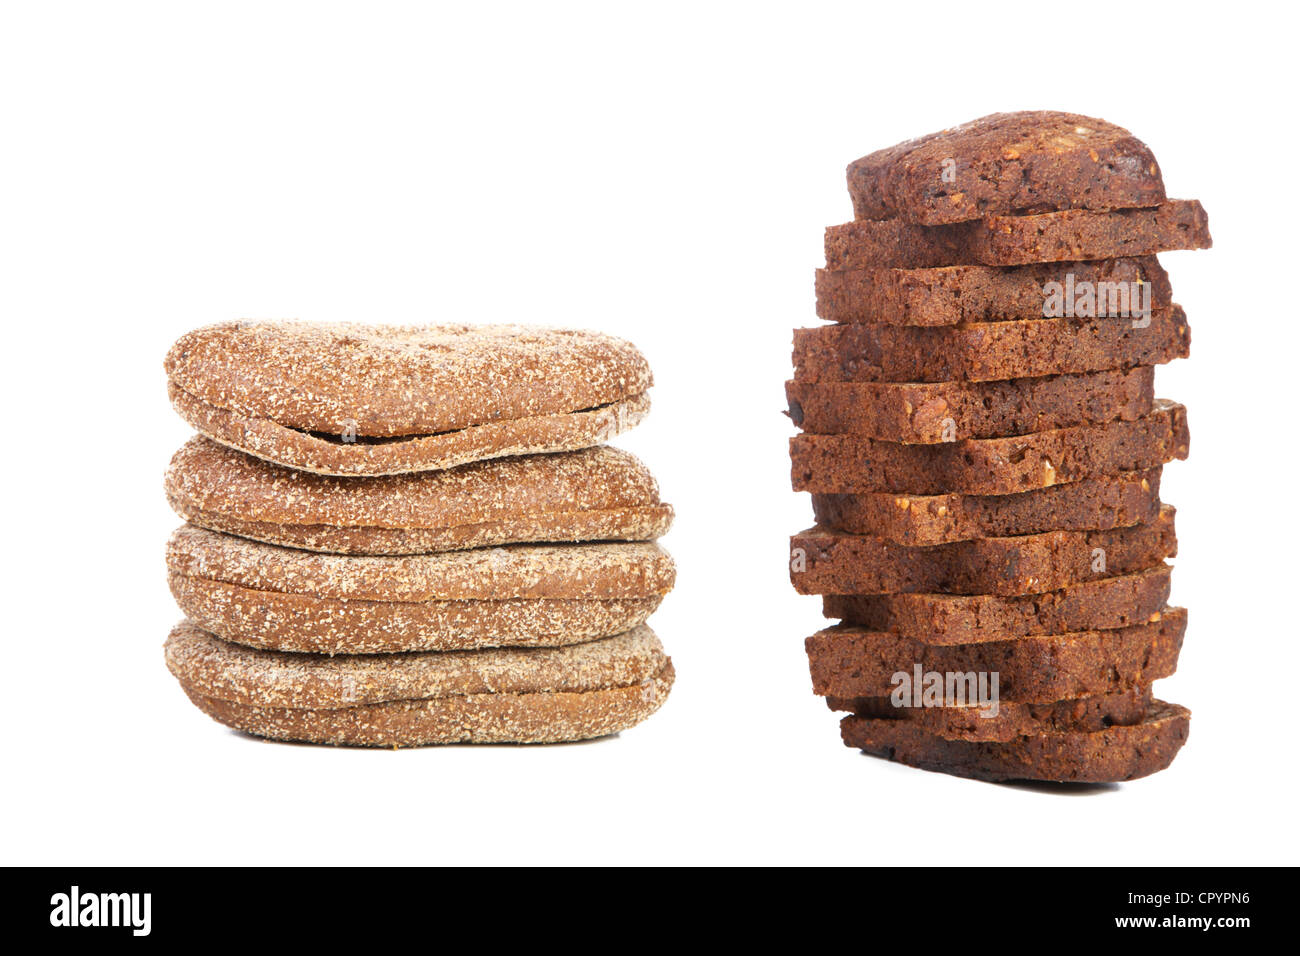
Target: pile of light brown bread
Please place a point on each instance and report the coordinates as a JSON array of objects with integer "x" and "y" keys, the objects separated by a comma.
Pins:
[
  {"x": 983, "y": 445},
  {"x": 399, "y": 536}
]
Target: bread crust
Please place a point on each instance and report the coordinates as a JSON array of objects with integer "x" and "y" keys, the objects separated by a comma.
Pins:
[
  {"x": 1112, "y": 755},
  {"x": 1005, "y": 162},
  {"x": 597, "y": 494}
]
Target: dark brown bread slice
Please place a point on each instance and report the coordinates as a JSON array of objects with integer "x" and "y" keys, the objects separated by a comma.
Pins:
[
  {"x": 987, "y": 351},
  {"x": 1094, "y": 504},
  {"x": 1012, "y": 719},
  {"x": 855, "y": 464},
  {"x": 850, "y": 662},
  {"x": 1120, "y": 601},
  {"x": 1033, "y": 159},
  {"x": 1020, "y": 240},
  {"x": 935, "y": 412},
  {"x": 833, "y": 562},
  {"x": 1105, "y": 756},
  {"x": 949, "y": 295}
]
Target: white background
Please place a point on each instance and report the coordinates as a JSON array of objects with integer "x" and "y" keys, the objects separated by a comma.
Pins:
[{"x": 663, "y": 175}]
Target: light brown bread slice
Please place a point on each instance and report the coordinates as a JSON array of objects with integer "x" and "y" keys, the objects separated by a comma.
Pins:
[
  {"x": 504, "y": 696},
  {"x": 1010, "y": 719},
  {"x": 597, "y": 494},
  {"x": 280, "y": 598},
  {"x": 1069, "y": 235},
  {"x": 937, "y": 412},
  {"x": 855, "y": 464},
  {"x": 1006, "y": 162},
  {"x": 1111, "y": 755},
  {"x": 987, "y": 351},
  {"x": 370, "y": 400},
  {"x": 1093, "y": 504},
  {"x": 1123, "y": 600},
  {"x": 848, "y": 662},
  {"x": 835, "y": 562},
  {"x": 953, "y": 295}
]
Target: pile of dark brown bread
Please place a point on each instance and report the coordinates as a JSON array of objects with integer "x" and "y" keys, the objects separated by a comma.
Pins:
[{"x": 983, "y": 445}]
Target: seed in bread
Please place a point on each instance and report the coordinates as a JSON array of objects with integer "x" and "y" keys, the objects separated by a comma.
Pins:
[{"x": 596, "y": 494}]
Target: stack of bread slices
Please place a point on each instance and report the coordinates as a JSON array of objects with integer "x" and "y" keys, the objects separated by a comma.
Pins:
[
  {"x": 983, "y": 445},
  {"x": 399, "y": 536}
]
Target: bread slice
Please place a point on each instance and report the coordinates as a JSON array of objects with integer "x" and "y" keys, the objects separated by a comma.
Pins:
[
  {"x": 1112, "y": 755},
  {"x": 849, "y": 662},
  {"x": 1093, "y": 504},
  {"x": 932, "y": 413},
  {"x": 824, "y": 561},
  {"x": 856, "y": 464},
  {"x": 370, "y": 400},
  {"x": 504, "y": 696},
  {"x": 1122, "y": 600},
  {"x": 1012, "y": 719},
  {"x": 1020, "y": 240},
  {"x": 597, "y": 494},
  {"x": 279, "y": 598},
  {"x": 953, "y": 295},
  {"x": 1007, "y": 162},
  {"x": 987, "y": 351}
]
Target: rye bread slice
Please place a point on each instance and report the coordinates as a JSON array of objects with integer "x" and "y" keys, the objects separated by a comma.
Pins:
[
  {"x": 1012, "y": 719},
  {"x": 268, "y": 596},
  {"x": 597, "y": 494},
  {"x": 987, "y": 351},
  {"x": 824, "y": 561},
  {"x": 1093, "y": 504},
  {"x": 1007, "y": 162},
  {"x": 1122, "y": 600},
  {"x": 856, "y": 464},
  {"x": 951, "y": 295},
  {"x": 369, "y": 400},
  {"x": 847, "y": 662},
  {"x": 932, "y": 413},
  {"x": 503, "y": 696},
  {"x": 1111, "y": 755},
  {"x": 1019, "y": 240}
]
